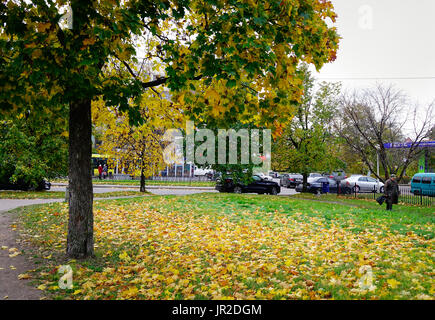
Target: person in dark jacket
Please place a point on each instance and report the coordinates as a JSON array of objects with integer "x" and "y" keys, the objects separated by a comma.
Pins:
[{"x": 391, "y": 192}]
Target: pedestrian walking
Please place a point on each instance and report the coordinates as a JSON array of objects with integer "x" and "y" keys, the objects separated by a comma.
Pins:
[
  {"x": 100, "y": 171},
  {"x": 105, "y": 169},
  {"x": 391, "y": 192}
]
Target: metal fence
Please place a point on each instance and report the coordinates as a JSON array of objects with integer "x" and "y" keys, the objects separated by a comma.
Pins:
[
  {"x": 183, "y": 179},
  {"x": 418, "y": 196},
  {"x": 165, "y": 180}
]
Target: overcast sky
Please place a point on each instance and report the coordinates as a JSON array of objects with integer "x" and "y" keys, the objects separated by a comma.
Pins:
[{"x": 386, "y": 39}]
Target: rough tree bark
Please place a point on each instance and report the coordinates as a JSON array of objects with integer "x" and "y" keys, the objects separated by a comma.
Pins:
[
  {"x": 142, "y": 176},
  {"x": 80, "y": 240}
]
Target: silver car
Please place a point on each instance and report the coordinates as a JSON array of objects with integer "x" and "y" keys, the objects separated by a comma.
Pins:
[{"x": 360, "y": 183}]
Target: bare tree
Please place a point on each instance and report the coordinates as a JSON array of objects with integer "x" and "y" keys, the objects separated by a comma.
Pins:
[{"x": 373, "y": 117}]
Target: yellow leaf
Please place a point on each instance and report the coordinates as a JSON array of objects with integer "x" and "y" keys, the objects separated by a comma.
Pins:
[
  {"x": 88, "y": 41},
  {"x": 124, "y": 256},
  {"x": 41, "y": 287},
  {"x": 36, "y": 53},
  {"x": 24, "y": 276},
  {"x": 43, "y": 26},
  {"x": 88, "y": 285},
  {"x": 130, "y": 292},
  {"x": 77, "y": 292},
  {"x": 393, "y": 283}
]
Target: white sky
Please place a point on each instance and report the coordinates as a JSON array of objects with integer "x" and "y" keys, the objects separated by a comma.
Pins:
[{"x": 386, "y": 39}]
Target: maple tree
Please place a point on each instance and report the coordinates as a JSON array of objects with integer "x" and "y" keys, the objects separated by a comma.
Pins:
[
  {"x": 247, "y": 51},
  {"x": 138, "y": 149}
]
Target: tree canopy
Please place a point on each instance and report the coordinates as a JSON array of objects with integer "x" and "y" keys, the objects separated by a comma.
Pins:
[
  {"x": 224, "y": 61},
  {"x": 307, "y": 142}
]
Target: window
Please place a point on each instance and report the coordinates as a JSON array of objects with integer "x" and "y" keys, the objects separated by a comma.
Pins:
[
  {"x": 416, "y": 180},
  {"x": 256, "y": 178},
  {"x": 363, "y": 179},
  {"x": 371, "y": 180},
  {"x": 426, "y": 180}
]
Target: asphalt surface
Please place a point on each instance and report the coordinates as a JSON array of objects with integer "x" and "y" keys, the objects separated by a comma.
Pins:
[{"x": 162, "y": 190}]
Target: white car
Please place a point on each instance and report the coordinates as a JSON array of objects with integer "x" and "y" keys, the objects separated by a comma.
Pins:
[
  {"x": 360, "y": 183},
  {"x": 263, "y": 176},
  {"x": 201, "y": 172}
]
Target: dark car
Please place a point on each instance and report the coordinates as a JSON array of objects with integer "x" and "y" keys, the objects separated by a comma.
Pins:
[
  {"x": 257, "y": 185},
  {"x": 290, "y": 180},
  {"x": 323, "y": 185},
  {"x": 20, "y": 185}
]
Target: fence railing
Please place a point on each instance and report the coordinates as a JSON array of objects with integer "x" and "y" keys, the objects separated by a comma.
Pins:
[
  {"x": 194, "y": 180},
  {"x": 418, "y": 196}
]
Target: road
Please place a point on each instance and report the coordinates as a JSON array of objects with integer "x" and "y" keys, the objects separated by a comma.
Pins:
[{"x": 180, "y": 191}]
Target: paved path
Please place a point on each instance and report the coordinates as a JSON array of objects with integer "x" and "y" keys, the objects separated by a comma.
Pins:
[
  {"x": 10, "y": 267},
  {"x": 159, "y": 190}
]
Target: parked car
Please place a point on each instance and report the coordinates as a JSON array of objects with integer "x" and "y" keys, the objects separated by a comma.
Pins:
[
  {"x": 423, "y": 184},
  {"x": 20, "y": 185},
  {"x": 263, "y": 176},
  {"x": 197, "y": 172},
  {"x": 322, "y": 185},
  {"x": 257, "y": 185},
  {"x": 315, "y": 175},
  {"x": 338, "y": 175},
  {"x": 273, "y": 174},
  {"x": 290, "y": 180},
  {"x": 360, "y": 183}
]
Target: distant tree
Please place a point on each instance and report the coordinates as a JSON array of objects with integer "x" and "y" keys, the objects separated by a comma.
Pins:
[
  {"x": 308, "y": 143},
  {"x": 136, "y": 148},
  {"x": 373, "y": 117},
  {"x": 432, "y": 134}
]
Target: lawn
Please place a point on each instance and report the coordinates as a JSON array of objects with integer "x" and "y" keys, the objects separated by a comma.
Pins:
[
  {"x": 227, "y": 246},
  {"x": 61, "y": 194},
  {"x": 407, "y": 199}
]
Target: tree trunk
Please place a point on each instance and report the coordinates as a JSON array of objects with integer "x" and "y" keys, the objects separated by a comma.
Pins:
[
  {"x": 142, "y": 178},
  {"x": 80, "y": 240}
]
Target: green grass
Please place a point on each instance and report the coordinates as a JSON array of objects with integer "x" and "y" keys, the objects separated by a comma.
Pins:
[
  {"x": 61, "y": 194},
  {"x": 365, "y": 199},
  {"x": 242, "y": 247}
]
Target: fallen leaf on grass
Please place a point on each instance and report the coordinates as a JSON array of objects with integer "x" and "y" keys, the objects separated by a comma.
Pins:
[
  {"x": 393, "y": 283},
  {"x": 24, "y": 276}
]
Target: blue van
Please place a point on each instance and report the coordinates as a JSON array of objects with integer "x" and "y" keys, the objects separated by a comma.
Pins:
[{"x": 424, "y": 184}]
